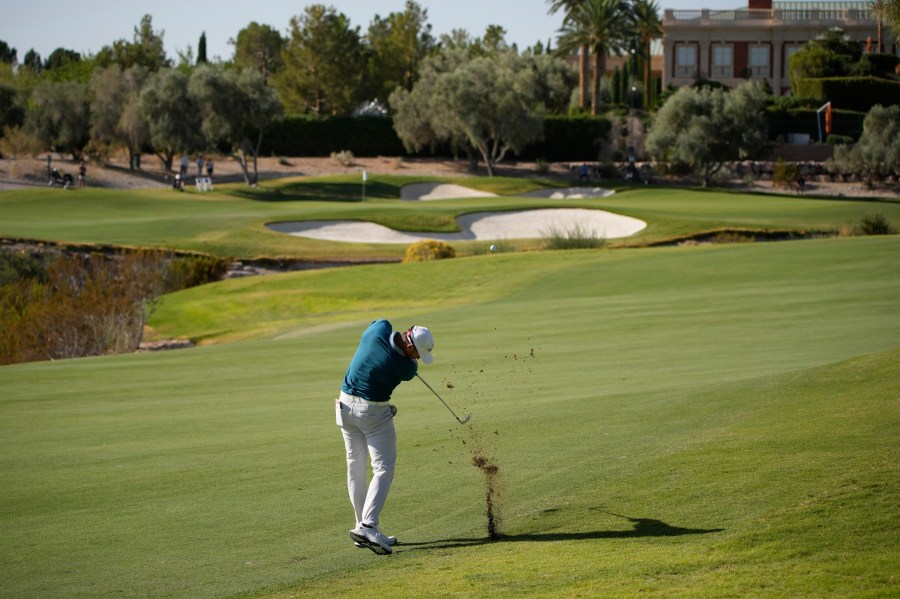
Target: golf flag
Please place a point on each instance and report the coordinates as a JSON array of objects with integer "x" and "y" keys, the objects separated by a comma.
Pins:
[
  {"x": 365, "y": 176},
  {"x": 828, "y": 118}
]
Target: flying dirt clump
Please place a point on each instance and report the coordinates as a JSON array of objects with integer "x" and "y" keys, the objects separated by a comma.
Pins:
[{"x": 491, "y": 492}]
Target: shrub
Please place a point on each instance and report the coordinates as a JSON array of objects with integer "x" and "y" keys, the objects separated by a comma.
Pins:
[
  {"x": 785, "y": 175},
  {"x": 90, "y": 305},
  {"x": 344, "y": 157},
  {"x": 854, "y": 93},
  {"x": 876, "y": 223},
  {"x": 191, "y": 271},
  {"x": 55, "y": 306},
  {"x": 21, "y": 265},
  {"x": 422, "y": 251},
  {"x": 838, "y": 140},
  {"x": 576, "y": 238}
]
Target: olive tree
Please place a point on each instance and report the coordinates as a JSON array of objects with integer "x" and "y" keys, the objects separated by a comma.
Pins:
[
  {"x": 877, "y": 154},
  {"x": 485, "y": 105},
  {"x": 704, "y": 128},
  {"x": 116, "y": 118},
  {"x": 58, "y": 116},
  {"x": 235, "y": 109},
  {"x": 172, "y": 116}
]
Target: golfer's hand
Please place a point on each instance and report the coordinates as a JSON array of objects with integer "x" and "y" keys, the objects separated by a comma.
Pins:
[{"x": 393, "y": 410}]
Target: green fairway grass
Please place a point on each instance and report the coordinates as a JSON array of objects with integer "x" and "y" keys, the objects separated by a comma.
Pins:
[
  {"x": 707, "y": 421},
  {"x": 231, "y": 221}
]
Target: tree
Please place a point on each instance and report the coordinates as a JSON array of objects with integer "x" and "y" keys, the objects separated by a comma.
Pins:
[
  {"x": 201, "y": 49},
  {"x": 602, "y": 25},
  {"x": 258, "y": 47},
  {"x": 555, "y": 82},
  {"x": 33, "y": 62},
  {"x": 12, "y": 114},
  {"x": 877, "y": 154},
  {"x": 397, "y": 46},
  {"x": 584, "y": 51},
  {"x": 704, "y": 128},
  {"x": 61, "y": 58},
  {"x": 146, "y": 49},
  {"x": 487, "y": 105},
  {"x": 174, "y": 124},
  {"x": 236, "y": 108},
  {"x": 647, "y": 27},
  {"x": 323, "y": 64},
  {"x": 831, "y": 54},
  {"x": 7, "y": 54},
  {"x": 888, "y": 12},
  {"x": 116, "y": 118},
  {"x": 58, "y": 116}
]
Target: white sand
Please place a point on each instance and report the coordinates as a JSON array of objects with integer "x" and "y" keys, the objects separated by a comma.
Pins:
[
  {"x": 572, "y": 193},
  {"x": 482, "y": 226},
  {"x": 440, "y": 191},
  {"x": 446, "y": 191},
  {"x": 519, "y": 224}
]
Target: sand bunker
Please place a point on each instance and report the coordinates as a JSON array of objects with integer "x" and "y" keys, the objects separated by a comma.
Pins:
[
  {"x": 483, "y": 226},
  {"x": 570, "y": 193},
  {"x": 440, "y": 191},
  {"x": 446, "y": 191}
]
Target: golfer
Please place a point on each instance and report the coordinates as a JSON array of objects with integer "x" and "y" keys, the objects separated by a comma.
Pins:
[{"x": 383, "y": 360}]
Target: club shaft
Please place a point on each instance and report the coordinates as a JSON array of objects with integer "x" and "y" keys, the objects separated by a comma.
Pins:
[{"x": 439, "y": 397}]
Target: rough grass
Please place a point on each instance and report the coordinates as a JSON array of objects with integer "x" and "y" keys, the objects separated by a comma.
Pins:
[{"x": 712, "y": 421}]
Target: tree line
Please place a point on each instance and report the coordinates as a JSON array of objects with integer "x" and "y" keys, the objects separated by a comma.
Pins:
[
  {"x": 480, "y": 96},
  {"x": 129, "y": 95}
]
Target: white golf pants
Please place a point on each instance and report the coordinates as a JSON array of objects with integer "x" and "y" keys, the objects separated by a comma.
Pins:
[{"x": 368, "y": 429}]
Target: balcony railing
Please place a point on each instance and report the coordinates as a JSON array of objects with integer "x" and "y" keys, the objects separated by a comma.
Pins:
[{"x": 784, "y": 15}]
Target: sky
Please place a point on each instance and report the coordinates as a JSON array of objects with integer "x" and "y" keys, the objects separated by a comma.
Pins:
[{"x": 87, "y": 25}]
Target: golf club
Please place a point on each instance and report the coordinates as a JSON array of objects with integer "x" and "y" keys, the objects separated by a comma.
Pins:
[{"x": 463, "y": 421}]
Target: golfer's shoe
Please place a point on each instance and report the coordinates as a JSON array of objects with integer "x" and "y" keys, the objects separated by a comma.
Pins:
[
  {"x": 372, "y": 538},
  {"x": 392, "y": 540}
]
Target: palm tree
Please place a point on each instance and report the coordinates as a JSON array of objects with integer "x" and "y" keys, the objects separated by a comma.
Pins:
[
  {"x": 647, "y": 27},
  {"x": 602, "y": 25},
  {"x": 583, "y": 51}
]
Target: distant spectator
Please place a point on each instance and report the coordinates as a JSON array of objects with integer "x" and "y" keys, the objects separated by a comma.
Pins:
[
  {"x": 199, "y": 166},
  {"x": 209, "y": 167},
  {"x": 184, "y": 166},
  {"x": 82, "y": 173}
]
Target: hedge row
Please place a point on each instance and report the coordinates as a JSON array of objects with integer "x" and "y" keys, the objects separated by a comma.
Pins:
[
  {"x": 565, "y": 138},
  {"x": 851, "y": 93},
  {"x": 310, "y": 136},
  {"x": 804, "y": 120}
]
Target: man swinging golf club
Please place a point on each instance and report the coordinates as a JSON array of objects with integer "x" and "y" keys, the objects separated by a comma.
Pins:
[{"x": 383, "y": 360}]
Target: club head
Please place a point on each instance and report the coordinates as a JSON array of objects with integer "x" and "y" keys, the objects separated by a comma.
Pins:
[{"x": 465, "y": 419}]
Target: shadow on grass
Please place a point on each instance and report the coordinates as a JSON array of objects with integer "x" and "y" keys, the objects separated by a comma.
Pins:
[
  {"x": 642, "y": 527},
  {"x": 331, "y": 191}
]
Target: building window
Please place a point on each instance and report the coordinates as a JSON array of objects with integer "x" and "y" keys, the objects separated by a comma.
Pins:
[
  {"x": 686, "y": 61},
  {"x": 759, "y": 61},
  {"x": 723, "y": 61}
]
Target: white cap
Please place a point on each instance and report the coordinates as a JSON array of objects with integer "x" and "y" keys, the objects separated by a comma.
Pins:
[{"x": 424, "y": 342}]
